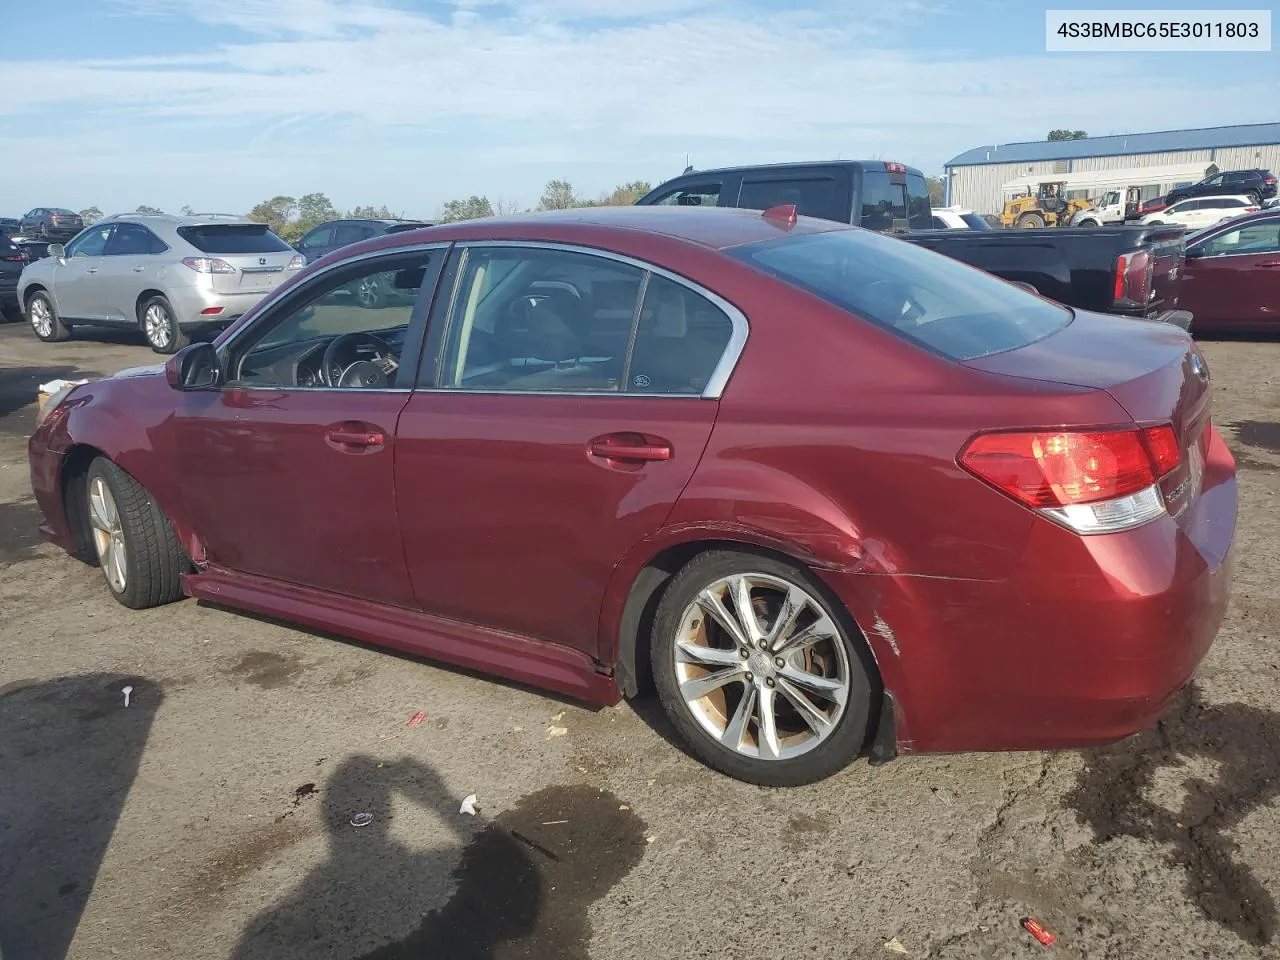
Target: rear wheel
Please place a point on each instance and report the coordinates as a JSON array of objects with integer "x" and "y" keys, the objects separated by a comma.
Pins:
[
  {"x": 758, "y": 671},
  {"x": 45, "y": 322},
  {"x": 1030, "y": 220},
  {"x": 133, "y": 540},
  {"x": 160, "y": 326}
]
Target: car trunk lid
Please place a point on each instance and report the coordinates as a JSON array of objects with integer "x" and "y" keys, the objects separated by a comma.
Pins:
[{"x": 1153, "y": 370}]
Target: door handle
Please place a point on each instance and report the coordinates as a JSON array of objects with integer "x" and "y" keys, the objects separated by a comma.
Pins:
[
  {"x": 355, "y": 435},
  {"x": 630, "y": 448}
]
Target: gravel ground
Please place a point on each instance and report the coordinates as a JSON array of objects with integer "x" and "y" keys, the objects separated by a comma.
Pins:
[{"x": 212, "y": 818}]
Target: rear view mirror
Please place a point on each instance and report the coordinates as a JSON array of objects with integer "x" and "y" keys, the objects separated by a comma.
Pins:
[
  {"x": 194, "y": 367},
  {"x": 55, "y": 250}
]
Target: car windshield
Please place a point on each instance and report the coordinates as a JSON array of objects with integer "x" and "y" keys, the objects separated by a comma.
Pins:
[
  {"x": 939, "y": 303},
  {"x": 223, "y": 238}
]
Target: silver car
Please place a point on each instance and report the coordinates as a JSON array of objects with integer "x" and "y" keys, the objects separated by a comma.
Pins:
[{"x": 168, "y": 276}]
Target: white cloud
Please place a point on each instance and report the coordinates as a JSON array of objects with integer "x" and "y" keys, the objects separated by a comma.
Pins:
[{"x": 497, "y": 95}]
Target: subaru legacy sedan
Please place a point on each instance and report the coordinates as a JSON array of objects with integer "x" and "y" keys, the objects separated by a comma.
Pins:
[{"x": 827, "y": 492}]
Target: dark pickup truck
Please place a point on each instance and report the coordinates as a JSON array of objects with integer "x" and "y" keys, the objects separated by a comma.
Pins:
[{"x": 1132, "y": 271}]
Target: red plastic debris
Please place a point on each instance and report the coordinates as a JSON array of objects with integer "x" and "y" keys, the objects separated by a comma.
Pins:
[
  {"x": 1034, "y": 927},
  {"x": 417, "y": 718}
]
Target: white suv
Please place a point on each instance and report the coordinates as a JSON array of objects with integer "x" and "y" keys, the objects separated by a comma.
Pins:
[
  {"x": 1197, "y": 212},
  {"x": 168, "y": 276}
]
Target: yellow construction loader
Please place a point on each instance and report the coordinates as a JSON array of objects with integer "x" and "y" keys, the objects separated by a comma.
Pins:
[{"x": 1045, "y": 208}]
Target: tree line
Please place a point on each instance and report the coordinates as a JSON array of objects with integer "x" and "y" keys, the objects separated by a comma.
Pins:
[{"x": 290, "y": 217}]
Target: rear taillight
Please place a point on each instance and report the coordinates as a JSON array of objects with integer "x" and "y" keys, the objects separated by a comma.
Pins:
[
  {"x": 1133, "y": 278},
  {"x": 208, "y": 265},
  {"x": 1090, "y": 482}
]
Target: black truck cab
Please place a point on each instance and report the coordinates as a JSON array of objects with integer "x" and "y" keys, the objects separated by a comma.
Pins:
[{"x": 875, "y": 194}]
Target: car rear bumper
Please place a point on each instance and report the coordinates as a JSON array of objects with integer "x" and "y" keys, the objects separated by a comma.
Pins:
[
  {"x": 1085, "y": 644},
  {"x": 190, "y": 303}
]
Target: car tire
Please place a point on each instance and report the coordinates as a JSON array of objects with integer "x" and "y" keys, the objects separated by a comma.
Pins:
[
  {"x": 159, "y": 325},
  {"x": 44, "y": 319},
  {"x": 370, "y": 292},
  {"x": 694, "y": 651},
  {"x": 1029, "y": 221},
  {"x": 133, "y": 541}
]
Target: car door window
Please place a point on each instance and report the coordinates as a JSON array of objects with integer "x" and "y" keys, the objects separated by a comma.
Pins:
[
  {"x": 699, "y": 195},
  {"x": 813, "y": 197},
  {"x": 90, "y": 243},
  {"x": 131, "y": 239},
  {"x": 319, "y": 237},
  {"x": 1260, "y": 237},
  {"x": 539, "y": 320},
  {"x": 348, "y": 328},
  {"x": 345, "y": 233}
]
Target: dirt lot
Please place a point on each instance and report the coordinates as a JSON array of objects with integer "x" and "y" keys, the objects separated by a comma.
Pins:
[{"x": 212, "y": 817}]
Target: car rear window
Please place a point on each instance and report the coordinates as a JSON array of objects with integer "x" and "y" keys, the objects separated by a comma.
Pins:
[
  {"x": 943, "y": 305},
  {"x": 233, "y": 238}
]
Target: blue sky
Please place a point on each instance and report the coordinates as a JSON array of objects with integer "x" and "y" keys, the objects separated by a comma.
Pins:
[{"x": 409, "y": 103}]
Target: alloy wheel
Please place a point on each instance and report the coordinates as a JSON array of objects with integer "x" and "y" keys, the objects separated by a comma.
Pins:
[
  {"x": 156, "y": 324},
  {"x": 761, "y": 666},
  {"x": 108, "y": 534},
  {"x": 368, "y": 292},
  {"x": 42, "y": 317}
]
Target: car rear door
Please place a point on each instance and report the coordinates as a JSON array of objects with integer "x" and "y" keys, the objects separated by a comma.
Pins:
[
  {"x": 816, "y": 192},
  {"x": 551, "y": 438},
  {"x": 1232, "y": 278},
  {"x": 129, "y": 266}
]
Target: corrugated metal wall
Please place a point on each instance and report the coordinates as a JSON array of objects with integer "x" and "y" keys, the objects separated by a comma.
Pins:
[{"x": 978, "y": 187}]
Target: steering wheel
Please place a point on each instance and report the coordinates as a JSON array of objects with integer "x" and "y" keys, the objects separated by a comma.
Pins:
[{"x": 339, "y": 358}]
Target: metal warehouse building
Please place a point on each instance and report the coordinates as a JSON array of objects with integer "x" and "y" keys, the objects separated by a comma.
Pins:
[{"x": 975, "y": 177}]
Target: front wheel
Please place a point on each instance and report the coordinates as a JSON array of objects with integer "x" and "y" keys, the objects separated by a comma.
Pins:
[
  {"x": 133, "y": 540},
  {"x": 160, "y": 326},
  {"x": 44, "y": 319},
  {"x": 759, "y": 672}
]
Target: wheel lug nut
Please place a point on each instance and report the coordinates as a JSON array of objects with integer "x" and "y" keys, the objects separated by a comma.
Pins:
[
  {"x": 780, "y": 663},
  {"x": 768, "y": 681}
]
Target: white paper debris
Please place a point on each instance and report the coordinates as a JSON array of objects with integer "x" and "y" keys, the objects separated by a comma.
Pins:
[
  {"x": 53, "y": 386},
  {"x": 468, "y": 805}
]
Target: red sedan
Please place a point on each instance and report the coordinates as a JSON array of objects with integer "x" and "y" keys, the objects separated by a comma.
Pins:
[
  {"x": 1231, "y": 280},
  {"x": 825, "y": 490}
]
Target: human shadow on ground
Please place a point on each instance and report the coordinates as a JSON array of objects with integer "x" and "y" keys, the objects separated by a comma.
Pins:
[
  {"x": 520, "y": 888},
  {"x": 1113, "y": 797},
  {"x": 69, "y": 752}
]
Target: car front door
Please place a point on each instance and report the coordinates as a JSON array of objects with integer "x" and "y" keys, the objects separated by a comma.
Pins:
[
  {"x": 1232, "y": 279},
  {"x": 573, "y": 397},
  {"x": 288, "y": 467},
  {"x": 317, "y": 242},
  {"x": 76, "y": 288}
]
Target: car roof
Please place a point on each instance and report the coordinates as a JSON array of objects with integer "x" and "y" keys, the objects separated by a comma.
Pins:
[
  {"x": 801, "y": 164},
  {"x": 714, "y": 227},
  {"x": 1219, "y": 196}
]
